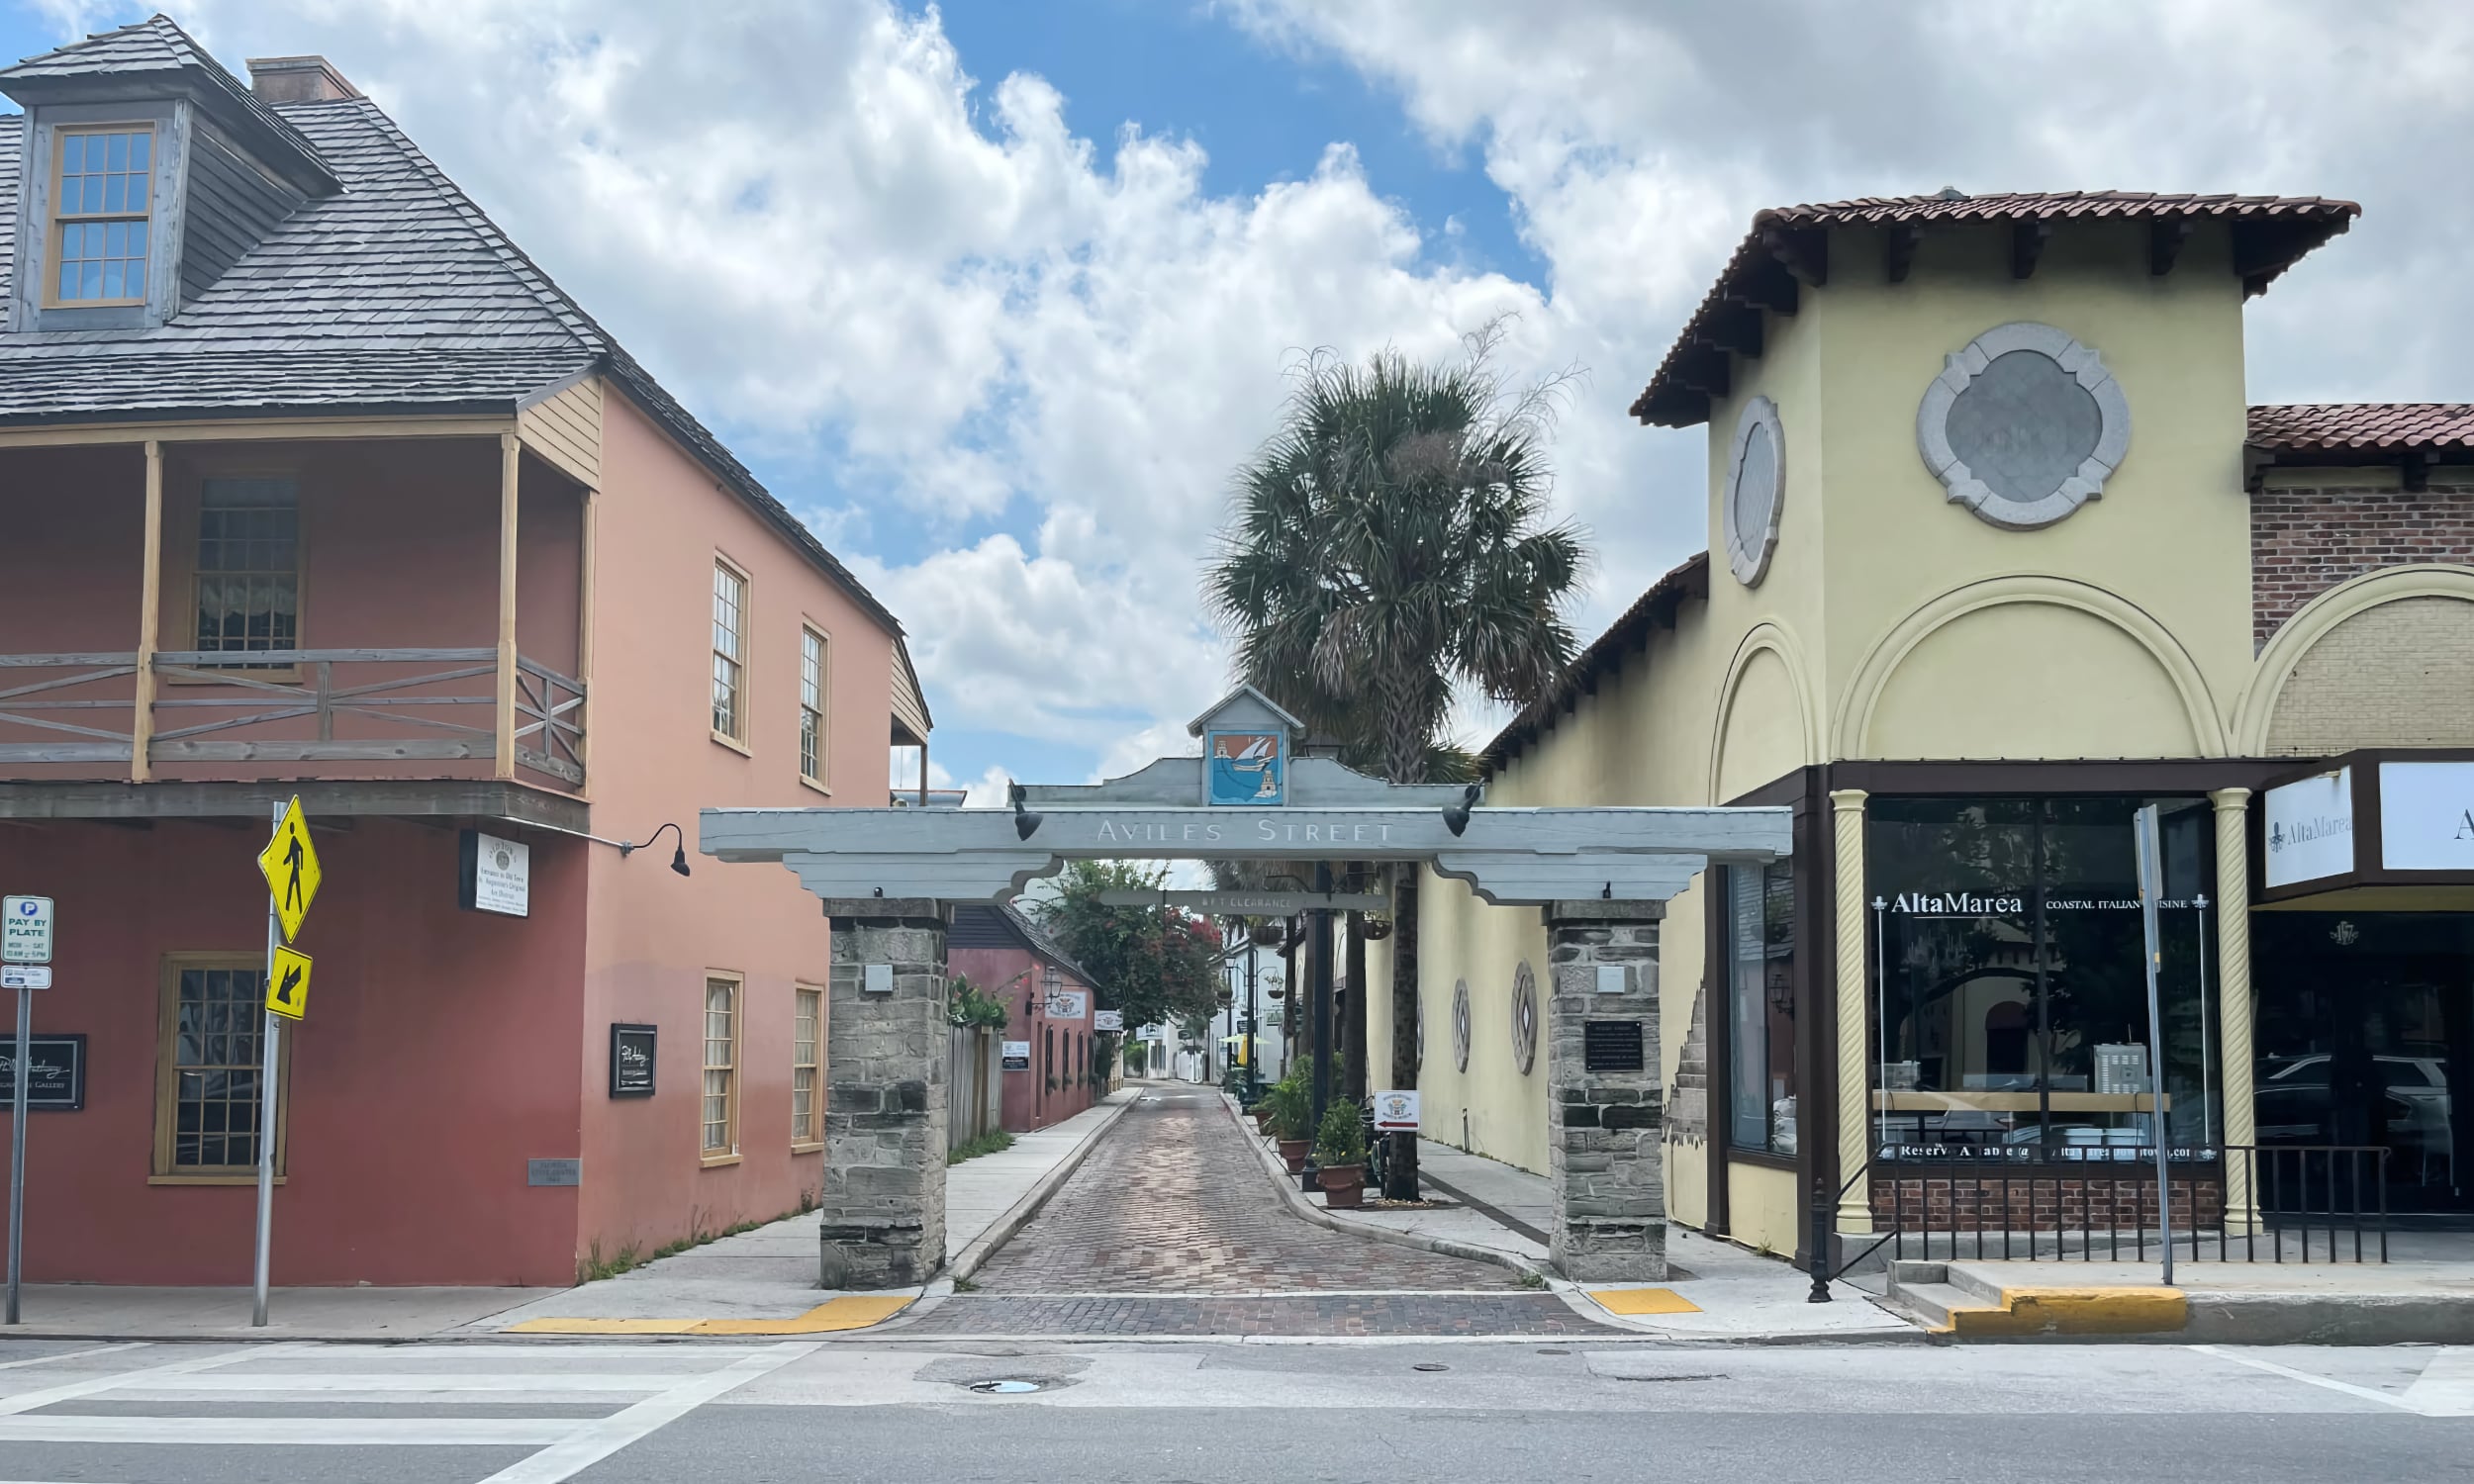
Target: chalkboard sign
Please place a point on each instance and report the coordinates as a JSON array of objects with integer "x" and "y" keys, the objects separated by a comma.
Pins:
[
  {"x": 1611, "y": 1045},
  {"x": 59, "y": 1081},
  {"x": 632, "y": 1060}
]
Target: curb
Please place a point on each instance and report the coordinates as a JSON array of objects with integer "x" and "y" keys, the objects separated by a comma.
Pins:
[
  {"x": 1307, "y": 1210},
  {"x": 970, "y": 1258}
]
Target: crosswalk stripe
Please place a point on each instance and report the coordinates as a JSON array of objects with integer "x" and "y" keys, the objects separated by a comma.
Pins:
[
  {"x": 593, "y": 1441},
  {"x": 416, "y": 1383},
  {"x": 2445, "y": 1388},
  {"x": 293, "y": 1432},
  {"x": 2326, "y": 1383},
  {"x": 28, "y": 1400}
]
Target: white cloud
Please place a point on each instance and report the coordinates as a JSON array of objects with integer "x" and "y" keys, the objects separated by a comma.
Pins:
[{"x": 808, "y": 218}]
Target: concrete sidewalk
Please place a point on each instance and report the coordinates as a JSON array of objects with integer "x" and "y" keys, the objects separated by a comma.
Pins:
[
  {"x": 759, "y": 1282},
  {"x": 764, "y": 1282},
  {"x": 2227, "y": 1303}
]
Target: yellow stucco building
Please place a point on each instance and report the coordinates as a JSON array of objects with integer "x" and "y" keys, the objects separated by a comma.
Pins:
[{"x": 1998, "y": 553}]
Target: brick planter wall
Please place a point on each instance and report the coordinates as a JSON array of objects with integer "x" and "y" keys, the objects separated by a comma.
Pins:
[{"x": 2041, "y": 1201}]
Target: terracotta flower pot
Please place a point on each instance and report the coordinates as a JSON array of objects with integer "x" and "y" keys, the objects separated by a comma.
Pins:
[
  {"x": 1293, "y": 1151},
  {"x": 1343, "y": 1184}
]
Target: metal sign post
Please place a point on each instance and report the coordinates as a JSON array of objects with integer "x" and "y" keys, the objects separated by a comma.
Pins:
[
  {"x": 266, "y": 1108},
  {"x": 26, "y": 934},
  {"x": 2151, "y": 889}
]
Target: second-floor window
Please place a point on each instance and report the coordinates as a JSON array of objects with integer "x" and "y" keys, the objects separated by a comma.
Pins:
[
  {"x": 248, "y": 572},
  {"x": 812, "y": 706},
  {"x": 100, "y": 215},
  {"x": 729, "y": 653}
]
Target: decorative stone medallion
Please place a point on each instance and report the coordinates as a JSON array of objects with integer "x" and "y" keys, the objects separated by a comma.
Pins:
[
  {"x": 1754, "y": 492},
  {"x": 1524, "y": 1018},
  {"x": 2024, "y": 426},
  {"x": 1459, "y": 1024}
]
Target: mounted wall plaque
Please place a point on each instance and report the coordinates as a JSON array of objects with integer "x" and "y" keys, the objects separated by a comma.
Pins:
[
  {"x": 1611, "y": 1045},
  {"x": 1754, "y": 492},
  {"x": 631, "y": 1049},
  {"x": 58, "y": 1084}
]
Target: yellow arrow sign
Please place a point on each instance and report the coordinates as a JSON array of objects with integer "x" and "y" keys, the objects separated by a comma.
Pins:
[
  {"x": 290, "y": 865},
  {"x": 287, "y": 987}
]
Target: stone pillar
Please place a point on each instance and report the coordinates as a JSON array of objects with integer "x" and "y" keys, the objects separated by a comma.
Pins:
[
  {"x": 883, "y": 1198},
  {"x": 1605, "y": 1128},
  {"x": 2233, "y": 1002},
  {"x": 1854, "y": 1213}
]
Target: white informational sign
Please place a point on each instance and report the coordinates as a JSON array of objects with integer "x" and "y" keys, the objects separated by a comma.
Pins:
[
  {"x": 2426, "y": 816},
  {"x": 25, "y": 929},
  {"x": 1016, "y": 1053},
  {"x": 1395, "y": 1112},
  {"x": 1108, "y": 1020},
  {"x": 1067, "y": 1004},
  {"x": 2310, "y": 828},
  {"x": 25, "y": 976},
  {"x": 502, "y": 877}
]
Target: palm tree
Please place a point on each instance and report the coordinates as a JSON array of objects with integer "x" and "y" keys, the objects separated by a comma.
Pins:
[{"x": 1392, "y": 542}]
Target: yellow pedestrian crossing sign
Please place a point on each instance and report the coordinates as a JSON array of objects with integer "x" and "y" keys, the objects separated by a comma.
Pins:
[
  {"x": 287, "y": 984},
  {"x": 290, "y": 865}
]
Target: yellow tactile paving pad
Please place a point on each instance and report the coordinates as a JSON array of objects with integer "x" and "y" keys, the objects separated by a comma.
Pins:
[
  {"x": 852, "y": 1311},
  {"x": 1641, "y": 1301}
]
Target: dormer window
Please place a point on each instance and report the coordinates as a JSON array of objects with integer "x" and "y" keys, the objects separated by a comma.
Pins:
[{"x": 100, "y": 215}]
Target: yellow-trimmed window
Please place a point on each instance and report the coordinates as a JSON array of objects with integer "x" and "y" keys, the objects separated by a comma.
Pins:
[
  {"x": 806, "y": 1118},
  {"x": 729, "y": 653},
  {"x": 722, "y": 1065},
  {"x": 210, "y": 1055},
  {"x": 101, "y": 205},
  {"x": 812, "y": 680},
  {"x": 249, "y": 566}
]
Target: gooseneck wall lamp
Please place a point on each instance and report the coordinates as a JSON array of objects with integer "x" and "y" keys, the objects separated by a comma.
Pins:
[
  {"x": 1026, "y": 822},
  {"x": 678, "y": 857}
]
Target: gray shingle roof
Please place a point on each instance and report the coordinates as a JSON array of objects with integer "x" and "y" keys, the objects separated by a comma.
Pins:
[
  {"x": 395, "y": 294},
  {"x": 154, "y": 50}
]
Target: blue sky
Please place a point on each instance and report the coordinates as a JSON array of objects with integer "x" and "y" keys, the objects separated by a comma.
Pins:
[{"x": 998, "y": 293}]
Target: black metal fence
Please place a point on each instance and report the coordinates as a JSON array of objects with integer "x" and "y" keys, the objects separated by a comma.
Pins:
[{"x": 2252, "y": 1203}]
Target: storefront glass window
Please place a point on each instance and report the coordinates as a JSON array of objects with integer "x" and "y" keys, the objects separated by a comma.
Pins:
[
  {"x": 1760, "y": 1025},
  {"x": 2009, "y": 999}
]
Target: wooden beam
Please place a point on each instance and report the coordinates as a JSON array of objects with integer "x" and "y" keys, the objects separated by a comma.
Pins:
[
  {"x": 511, "y": 456},
  {"x": 253, "y": 431},
  {"x": 1898, "y": 250},
  {"x": 2027, "y": 244},
  {"x": 1709, "y": 371},
  {"x": 2415, "y": 471},
  {"x": 1737, "y": 326},
  {"x": 2165, "y": 238},
  {"x": 150, "y": 618},
  {"x": 1804, "y": 253},
  {"x": 588, "y": 514},
  {"x": 244, "y": 804}
]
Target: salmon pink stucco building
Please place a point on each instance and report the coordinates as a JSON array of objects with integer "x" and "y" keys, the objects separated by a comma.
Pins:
[{"x": 317, "y": 486}]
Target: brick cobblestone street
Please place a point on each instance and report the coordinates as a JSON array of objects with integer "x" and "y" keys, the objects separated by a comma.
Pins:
[{"x": 1172, "y": 1227}]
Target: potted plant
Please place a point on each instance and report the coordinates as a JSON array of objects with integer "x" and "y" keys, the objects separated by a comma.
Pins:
[
  {"x": 1340, "y": 1158},
  {"x": 1290, "y": 1106}
]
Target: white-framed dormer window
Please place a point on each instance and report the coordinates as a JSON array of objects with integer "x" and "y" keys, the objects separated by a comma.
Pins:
[{"x": 102, "y": 207}]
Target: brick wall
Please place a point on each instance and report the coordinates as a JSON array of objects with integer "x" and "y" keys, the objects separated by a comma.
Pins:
[
  {"x": 2305, "y": 541},
  {"x": 2399, "y": 675}
]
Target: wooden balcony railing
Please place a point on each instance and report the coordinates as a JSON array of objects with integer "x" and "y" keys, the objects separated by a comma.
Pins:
[{"x": 294, "y": 706}]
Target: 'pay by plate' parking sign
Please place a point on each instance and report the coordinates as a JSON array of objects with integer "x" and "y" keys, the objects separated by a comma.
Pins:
[{"x": 25, "y": 929}]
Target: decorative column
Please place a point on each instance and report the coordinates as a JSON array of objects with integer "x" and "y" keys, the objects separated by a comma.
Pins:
[
  {"x": 883, "y": 1197},
  {"x": 2233, "y": 1013},
  {"x": 1606, "y": 1114},
  {"x": 1854, "y": 1111}
]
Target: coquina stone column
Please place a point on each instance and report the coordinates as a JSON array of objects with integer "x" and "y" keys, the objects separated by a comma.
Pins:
[
  {"x": 1606, "y": 1128},
  {"x": 2234, "y": 1002},
  {"x": 883, "y": 1198},
  {"x": 1854, "y": 1214}
]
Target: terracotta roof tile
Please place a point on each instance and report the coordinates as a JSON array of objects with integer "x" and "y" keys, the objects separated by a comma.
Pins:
[
  {"x": 1788, "y": 245},
  {"x": 2367, "y": 426}
]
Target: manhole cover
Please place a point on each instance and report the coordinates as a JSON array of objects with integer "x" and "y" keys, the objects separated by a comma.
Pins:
[
  {"x": 1004, "y": 1388},
  {"x": 1430, "y": 1366}
]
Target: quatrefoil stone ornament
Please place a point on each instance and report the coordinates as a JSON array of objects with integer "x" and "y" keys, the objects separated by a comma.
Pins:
[{"x": 2024, "y": 426}]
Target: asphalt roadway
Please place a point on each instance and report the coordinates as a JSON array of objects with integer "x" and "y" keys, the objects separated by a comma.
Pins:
[{"x": 1312, "y": 1410}]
